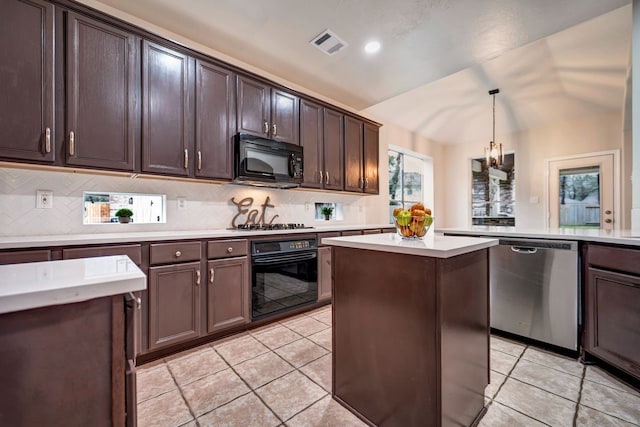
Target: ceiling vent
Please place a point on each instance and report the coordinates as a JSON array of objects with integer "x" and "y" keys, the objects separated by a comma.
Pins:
[{"x": 328, "y": 42}]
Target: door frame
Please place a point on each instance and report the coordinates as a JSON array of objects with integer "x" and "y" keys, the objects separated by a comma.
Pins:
[{"x": 616, "y": 182}]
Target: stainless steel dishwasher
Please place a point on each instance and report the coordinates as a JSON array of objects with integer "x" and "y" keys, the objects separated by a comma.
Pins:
[{"x": 534, "y": 290}]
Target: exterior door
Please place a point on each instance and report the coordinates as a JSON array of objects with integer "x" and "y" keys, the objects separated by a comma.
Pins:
[
  {"x": 582, "y": 192},
  {"x": 311, "y": 142},
  {"x": 285, "y": 117},
  {"x": 253, "y": 107},
  {"x": 214, "y": 121},
  {"x": 228, "y": 293},
  {"x": 102, "y": 90},
  {"x": 166, "y": 110},
  {"x": 353, "y": 179},
  {"x": 26, "y": 80},
  {"x": 333, "y": 150}
]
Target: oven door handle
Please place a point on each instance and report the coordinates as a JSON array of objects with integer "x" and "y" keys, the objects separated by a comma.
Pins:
[{"x": 278, "y": 259}]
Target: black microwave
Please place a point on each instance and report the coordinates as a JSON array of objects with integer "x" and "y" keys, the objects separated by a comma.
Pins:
[{"x": 267, "y": 163}]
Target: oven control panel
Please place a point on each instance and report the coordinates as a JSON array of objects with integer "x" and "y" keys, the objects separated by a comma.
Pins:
[
  {"x": 302, "y": 244},
  {"x": 280, "y": 246}
]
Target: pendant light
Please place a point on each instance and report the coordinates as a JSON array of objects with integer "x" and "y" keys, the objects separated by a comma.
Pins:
[{"x": 494, "y": 154}]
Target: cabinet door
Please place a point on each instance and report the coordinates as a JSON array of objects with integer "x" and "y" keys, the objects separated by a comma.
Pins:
[
  {"x": 333, "y": 150},
  {"x": 174, "y": 304},
  {"x": 285, "y": 116},
  {"x": 228, "y": 293},
  {"x": 612, "y": 319},
  {"x": 324, "y": 274},
  {"x": 214, "y": 121},
  {"x": 102, "y": 75},
  {"x": 253, "y": 107},
  {"x": 371, "y": 148},
  {"x": 166, "y": 112},
  {"x": 312, "y": 145},
  {"x": 353, "y": 179},
  {"x": 26, "y": 80}
]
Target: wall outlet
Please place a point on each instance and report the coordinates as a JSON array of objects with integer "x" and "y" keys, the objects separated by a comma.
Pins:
[
  {"x": 44, "y": 199},
  {"x": 182, "y": 202}
]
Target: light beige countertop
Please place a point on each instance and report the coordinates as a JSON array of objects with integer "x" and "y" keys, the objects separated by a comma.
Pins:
[
  {"x": 621, "y": 237},
  {"x": 42, "y": 284},
  {"x": 430, "y": 246},
  {"x": 17, "y": 242}
]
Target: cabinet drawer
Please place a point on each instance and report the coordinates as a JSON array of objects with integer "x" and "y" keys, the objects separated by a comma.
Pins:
[
  {"x": 18, "y": 257},
  {"x": 352, "y": 233},
  {"x": 389, "y": 230},
  {"x": 372, "y": 231},
  {"x": 327, "y": 235},
  {"x": 162, "y": 253},
  {"x": 132, "y": 251},
  {"x": 226, "y": 248},
  {"x": 614, "y": 258}
]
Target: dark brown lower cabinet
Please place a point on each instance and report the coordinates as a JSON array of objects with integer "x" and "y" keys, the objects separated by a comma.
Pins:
[
  {"x": 66, "y": 365},
  {"x": 325, "y": 279},
  {"x": 227, "y": 293},
  {"x": 612, "y": 321},
  {"x": 18, "y": 257},
  {"x": 174, "y": 304}
]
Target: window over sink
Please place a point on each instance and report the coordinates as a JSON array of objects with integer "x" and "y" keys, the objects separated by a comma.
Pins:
[{"x": 101, "y": 207}]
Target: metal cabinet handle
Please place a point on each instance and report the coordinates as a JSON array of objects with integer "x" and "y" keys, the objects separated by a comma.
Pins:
[
  {"x": 72, "y": 143},
  {"x": 186, "y": 159},
  {"x": 197, "y": 277},
  {"x": 321, "y": 177},
  {"x": 275, "y": 129},
  {"x": 366, "y": 183},
  {"x": 199, "y": 160},
  {"x": 47, "y": 140},
  {"x": 229, "y": 249},
  {"x": 265, "y": 127},
  {"x": 608, "y": 220},
  {"x": 607, "y": 212},
  {"x": 178, "y": 254},
  {"x": 212, "y": 273},
  {"x": 326, "y": 177},
  {"x": 136, "y": 299}
]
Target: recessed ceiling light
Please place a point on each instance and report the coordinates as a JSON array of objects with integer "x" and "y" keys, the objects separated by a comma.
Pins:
[{"x": 372, "y": 47}]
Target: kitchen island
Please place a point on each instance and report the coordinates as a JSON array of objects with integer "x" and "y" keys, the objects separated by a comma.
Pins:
[
  {"x": 411, "y": 328},
  {"x": 66, "y": 342}
]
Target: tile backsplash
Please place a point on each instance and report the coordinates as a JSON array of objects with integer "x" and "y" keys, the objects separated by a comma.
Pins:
[{"x": 207, "y": 205}]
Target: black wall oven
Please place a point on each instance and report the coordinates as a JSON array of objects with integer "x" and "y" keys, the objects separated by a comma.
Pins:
[{"x": 284, "y": 275}]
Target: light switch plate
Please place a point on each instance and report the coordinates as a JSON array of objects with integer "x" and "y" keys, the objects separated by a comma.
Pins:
[
  {"x": 182, "y": 202},
  {"x": 44, "y": 199}
]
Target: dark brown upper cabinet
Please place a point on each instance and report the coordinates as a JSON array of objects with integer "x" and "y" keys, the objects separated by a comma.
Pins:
[
  {"x": 361, "y": 156},
  {"x": 102, "y": 94},
  {"x": 322, "y": 139},
  {"x": 167, "y": 114},
  {"x": 267, "y": 112},
  {"x": 371, "y": 148},
  {"x": 27, "y": 80},
  {"x": 215, "y": 121}
]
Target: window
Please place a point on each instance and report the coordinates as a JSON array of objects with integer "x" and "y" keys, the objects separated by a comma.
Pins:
[
  {"x": 493, "y": 192},
  {"x": 100, "y": 208},
  {"x": 406, "y": 180}
]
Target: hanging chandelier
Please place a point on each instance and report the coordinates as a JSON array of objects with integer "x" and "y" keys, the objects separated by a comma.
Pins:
[{"x": 494, "y": 154}]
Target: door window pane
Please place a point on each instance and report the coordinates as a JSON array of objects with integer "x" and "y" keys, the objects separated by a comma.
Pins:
[{"x": 580, "y": 198}]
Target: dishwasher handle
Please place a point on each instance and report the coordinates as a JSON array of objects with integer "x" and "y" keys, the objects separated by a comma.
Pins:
[{"x": 523, "y": 250}]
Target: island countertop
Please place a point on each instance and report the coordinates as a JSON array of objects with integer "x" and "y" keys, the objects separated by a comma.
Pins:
[
  {"x": 435, "y": 246},
  {"x": 42, "y": 284}
]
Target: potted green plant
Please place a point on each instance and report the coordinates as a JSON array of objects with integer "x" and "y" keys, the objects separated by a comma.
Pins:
[
  {"x": 124, "y": 215},
  {"x": 326, "y": 211}
]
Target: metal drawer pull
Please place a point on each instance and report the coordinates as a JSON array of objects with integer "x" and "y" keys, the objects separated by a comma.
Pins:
[
  {"x": 72, "y": 143},
  {"x": 199, "y": 160},
  {"x": 229, "y": 249},
  {"x": 275, "y": 129},
  {"x": 47, "y": 140},
  {"x": 178, "y": 254},
  {"x": 211, "y": 275},
  {"x": 186, "y": 159},
  {"x": 321, "y": 177},
  {"x": 197, "y": 277},
  {"x": 265, "y": 126}
]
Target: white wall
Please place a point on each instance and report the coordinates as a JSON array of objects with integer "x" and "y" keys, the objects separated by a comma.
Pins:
[{"x": 531, "y": 148}]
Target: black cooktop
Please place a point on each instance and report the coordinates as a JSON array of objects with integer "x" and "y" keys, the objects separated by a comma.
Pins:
[{"x": 269, "y": 227}]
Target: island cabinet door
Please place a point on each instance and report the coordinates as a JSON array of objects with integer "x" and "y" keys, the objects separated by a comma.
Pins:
[
  {"x": 26, "y": 80},
  {"x": 102, "y": 93},
  {"x": 174, "y": 304},
  {"x": 227, "y": 293}
]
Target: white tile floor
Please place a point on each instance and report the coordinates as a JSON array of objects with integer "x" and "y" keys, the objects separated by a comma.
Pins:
[{"x": 280, "y": 375}]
